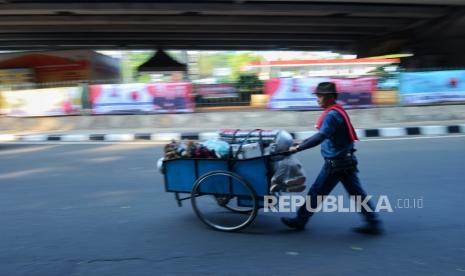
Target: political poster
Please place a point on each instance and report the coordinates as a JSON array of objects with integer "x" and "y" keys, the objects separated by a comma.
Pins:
[
  {"x": 297, "y": 93},
  {"x": 431, "y": 87},
  {"x": 292, "y": 93},
  {"x": 42, "y": 102},
  {"x": 170, "y": 97},
  {"x": 355, "y": 92}
]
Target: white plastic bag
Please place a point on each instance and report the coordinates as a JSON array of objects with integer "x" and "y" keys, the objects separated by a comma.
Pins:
[
  {"x": 288, "y": 175},
  {"x": 221, "y": 148}
]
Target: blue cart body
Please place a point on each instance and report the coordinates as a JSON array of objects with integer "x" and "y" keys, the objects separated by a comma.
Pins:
[{"x": 181, "y": 174}]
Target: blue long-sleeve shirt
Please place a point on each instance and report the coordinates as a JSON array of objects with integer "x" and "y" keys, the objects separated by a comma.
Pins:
[{"x": 333, "y": 136}]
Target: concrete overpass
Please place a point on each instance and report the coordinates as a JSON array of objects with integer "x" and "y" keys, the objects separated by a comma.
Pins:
[{"x": 433, "y": 30}]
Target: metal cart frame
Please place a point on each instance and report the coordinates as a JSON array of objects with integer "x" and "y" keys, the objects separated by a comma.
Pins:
[{"x": 246, "y": 180}]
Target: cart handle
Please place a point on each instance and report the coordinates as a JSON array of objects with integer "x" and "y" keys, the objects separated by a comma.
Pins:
[{"x": 285, "y": 153}]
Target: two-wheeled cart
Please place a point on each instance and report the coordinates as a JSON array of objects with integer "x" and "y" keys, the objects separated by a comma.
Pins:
[{"x": 226, "y": 194}]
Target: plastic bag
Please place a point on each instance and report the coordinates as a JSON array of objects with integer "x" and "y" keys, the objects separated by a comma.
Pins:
[
  {"x": 283, "y": 142},
  {"x": 288, "y": 175},
  {"x": 221, "y": 148},
  {"x": 160, "y": 165}
]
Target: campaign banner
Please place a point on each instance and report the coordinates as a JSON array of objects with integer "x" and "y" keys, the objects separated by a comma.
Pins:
[
  {"x": 355, "y": 92},
  {"x": 292, "y": 93},
  {"x": 430, "y": 87},
  {"x": 170, "y": 97},
  {"x": 297, "y": 93},
  {"x": 42, "y": 102},
  {"x": 215, "y": 91}
]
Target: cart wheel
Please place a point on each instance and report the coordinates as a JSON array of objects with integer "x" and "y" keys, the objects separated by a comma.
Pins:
[{"x": 211, "y": 193}]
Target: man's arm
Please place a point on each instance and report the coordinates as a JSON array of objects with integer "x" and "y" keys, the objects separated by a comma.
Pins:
[{"x": 310, "y": 142}]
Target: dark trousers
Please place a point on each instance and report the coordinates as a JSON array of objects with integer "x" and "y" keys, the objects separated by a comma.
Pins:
[{"x": 325, "y": 183}]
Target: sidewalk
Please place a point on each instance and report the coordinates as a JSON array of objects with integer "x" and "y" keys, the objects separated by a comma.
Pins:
[{"x": 372, "y": 122}]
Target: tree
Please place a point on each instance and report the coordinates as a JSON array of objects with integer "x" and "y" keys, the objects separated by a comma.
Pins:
[
  {"x": 132, "y": 60},
  {"x": 207, "y": 62},
  {"x": 237, "y": 61}
]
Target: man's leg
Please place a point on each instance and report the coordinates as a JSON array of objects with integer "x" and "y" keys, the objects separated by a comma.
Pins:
[
  {"x": 323, "y": 185},
  {"x": 352, "y": 184}
]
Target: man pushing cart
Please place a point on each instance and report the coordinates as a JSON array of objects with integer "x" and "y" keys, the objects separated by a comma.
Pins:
[{"x": 226, "y": 192}]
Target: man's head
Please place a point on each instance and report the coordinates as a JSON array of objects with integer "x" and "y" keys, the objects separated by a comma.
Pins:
[{"x": 326, "y": 94}]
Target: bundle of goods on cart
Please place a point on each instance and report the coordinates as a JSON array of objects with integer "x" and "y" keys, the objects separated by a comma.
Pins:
[
  {"x": 189, "y": 149},
  {"x": 240, "y": 144}
]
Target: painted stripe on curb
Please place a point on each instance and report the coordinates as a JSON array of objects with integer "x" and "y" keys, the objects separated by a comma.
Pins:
[
  {"x": 143, "y": 136},
  {"x": 453, "y": 129},
  {"x": 190, "y": 136},
  {"x": 75, "y": 138},
  {"x": 54, "y": 138},
  {"x": 165, "y": 136},
  {"x": 374, "y": 132},
  {"x": 119, "y": 137},
  {"x": 34, "y": 138},
  {"x": 392, "y": 132},
  {"x": 413, "y": 130},
  {"x": 433, "y": 130},
  {"x": 97, "y": 137},
  {"x": 360, "y": 133},
  {"x": 7, "y": 137},
  {"x": 300, "y": 135}
]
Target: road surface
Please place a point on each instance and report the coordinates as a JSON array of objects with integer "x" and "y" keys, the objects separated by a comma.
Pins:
[{"x": 101, "y": 209}]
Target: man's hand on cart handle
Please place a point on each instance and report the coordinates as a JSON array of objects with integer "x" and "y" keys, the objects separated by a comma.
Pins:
[{"x": 294, "y": 148}]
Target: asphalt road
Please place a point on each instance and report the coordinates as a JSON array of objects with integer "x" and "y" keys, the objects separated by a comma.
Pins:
[{"x": 102, "y": 210}]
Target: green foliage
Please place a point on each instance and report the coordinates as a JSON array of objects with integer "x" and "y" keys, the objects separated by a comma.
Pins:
[
  {"x": 131, "y": 61},
  {"x": 237, "y": 61},
  {"x": 250, "y": 83},
  {"x": 143, "y": 78},
  {"x": 379, "y": 71},
  {"x": 208, "y": 62}
]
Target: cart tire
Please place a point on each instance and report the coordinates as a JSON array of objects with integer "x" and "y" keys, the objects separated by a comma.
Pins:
[{"x": 252, "y": 194}]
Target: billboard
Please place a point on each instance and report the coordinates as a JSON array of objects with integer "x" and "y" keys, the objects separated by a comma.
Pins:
[
  {"x": 355, "y": 92},
  {"x": 296, "y": 93},
  {"x": 292, "y": 93},
  {"x": 42, "y": 102},
  {"x": 430, "y": 87},
  {"x": 169, "y": 97}
]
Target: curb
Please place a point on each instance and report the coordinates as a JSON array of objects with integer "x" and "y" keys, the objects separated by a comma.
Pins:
[{"x": 127, "y": 137}]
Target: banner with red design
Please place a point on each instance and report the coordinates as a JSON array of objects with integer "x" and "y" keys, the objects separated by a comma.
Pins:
[
  {"x": 355, "y": 92},
  {"x": 297, "y": 93},
  {"x": 170, "y": 97},
  {"x": 431, "y": 87},
  {"x": 41, "y": 102}
]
